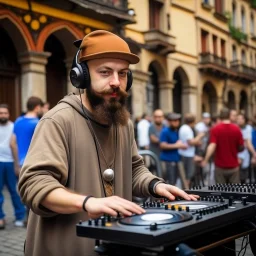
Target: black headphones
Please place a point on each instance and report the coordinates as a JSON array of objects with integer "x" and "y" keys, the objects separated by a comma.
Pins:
[{"x": 80, "y": 75}]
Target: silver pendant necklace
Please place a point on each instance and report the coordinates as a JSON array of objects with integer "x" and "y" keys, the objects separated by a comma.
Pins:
[{"x": 108, "y": 175}]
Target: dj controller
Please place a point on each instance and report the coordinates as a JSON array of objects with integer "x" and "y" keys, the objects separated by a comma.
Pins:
[
  {"x": 235, "y": 191},
  {"x": 168, "y": 223}
]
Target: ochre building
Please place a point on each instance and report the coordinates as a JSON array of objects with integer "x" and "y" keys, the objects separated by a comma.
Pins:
[{"x": 195, "y": 55}]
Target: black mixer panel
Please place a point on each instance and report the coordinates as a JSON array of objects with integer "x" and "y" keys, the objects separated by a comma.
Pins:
[
  {"x": 235, "y": 191},
  {"x": 166, "y": 223}
]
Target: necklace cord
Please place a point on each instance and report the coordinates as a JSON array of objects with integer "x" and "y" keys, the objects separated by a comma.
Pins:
[{"x": 97, "y": 144}]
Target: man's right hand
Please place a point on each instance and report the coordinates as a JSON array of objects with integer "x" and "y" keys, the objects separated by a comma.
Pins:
[
  {"x": 112, "y": 205},
  {"x": 181, "y": 145}
]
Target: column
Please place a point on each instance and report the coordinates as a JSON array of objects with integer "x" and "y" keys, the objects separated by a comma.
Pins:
[
  {"x": 139, "y": 97},
  {"x": 218, "y": 105},
  {"x": 189, "y": 100},
  {"x": 166, "y": 96},
  {"x": 33, "y": 71}
]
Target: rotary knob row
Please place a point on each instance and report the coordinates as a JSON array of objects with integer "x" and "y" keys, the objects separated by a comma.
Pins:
[
  {"x": 152, "y": 204},
  {"x": 212, "y": 209},
  {"x": 176, "y": 207},
  {"x": 212, "y": 199}
]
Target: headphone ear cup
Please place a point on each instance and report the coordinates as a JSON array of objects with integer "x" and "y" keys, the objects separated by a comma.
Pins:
[
  {"x": 86, "y": 75},
  {"x": 76, "y": 75},
  {"x": 129, "y": 80}
]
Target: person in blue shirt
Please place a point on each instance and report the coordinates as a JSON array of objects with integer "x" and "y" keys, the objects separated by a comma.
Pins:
[
  {"x": 169, "y": 144},
  {"x": 25, "y": 125}
]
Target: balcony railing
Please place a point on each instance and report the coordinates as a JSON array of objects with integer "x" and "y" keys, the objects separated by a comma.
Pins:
[
  {"x": 108, "y": 10},
  {"x": 159, "y": 42},
  {"x": 115, "y": 4},
  {"x": 207, "y": 57},
  {"x": 240, "y": 67}
]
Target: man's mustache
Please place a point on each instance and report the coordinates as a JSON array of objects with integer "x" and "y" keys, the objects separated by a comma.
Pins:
[{"x": 118, "y": 91}]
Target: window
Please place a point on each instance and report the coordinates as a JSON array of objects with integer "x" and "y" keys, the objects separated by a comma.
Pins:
[
  {"x": 234, "y": 14},
  {"x": 243, "y": 21},
  {"x": 204, "y": 41},
  {"x": 223, "y": 48},
  {"x": 154, "y": 14},
  {"x": 215, "y": 46},
  {"x": 234, "y": 54},
  {"x": 243, "y": 57},
  {"x": 252, "y": 24},
  {"x": 219, "y": 8},
  {"x": 251, "y": 60}
]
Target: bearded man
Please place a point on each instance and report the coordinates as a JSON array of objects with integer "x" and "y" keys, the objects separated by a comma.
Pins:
[{"x": 83, "y": 160}]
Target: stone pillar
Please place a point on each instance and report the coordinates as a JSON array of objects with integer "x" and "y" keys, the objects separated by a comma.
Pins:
[
  {"x": 33, "y": 80},
  {"x": 139, "y": 97},
  {"x": 218, "y": 105},
  {"x": 165, "y": 96},
  {"x": 189, "y": 100},
  {"x": 237, "y": 103}
]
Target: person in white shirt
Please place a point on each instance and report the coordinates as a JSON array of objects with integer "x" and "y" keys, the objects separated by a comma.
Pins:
[
  {"x": 143, "y": 135},
  {"x": 204, "y": 127},
  {"x": 186, "y": 135},
  {"x": 244, "y": 156}
]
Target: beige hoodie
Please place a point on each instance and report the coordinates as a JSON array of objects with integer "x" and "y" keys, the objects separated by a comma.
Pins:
[{"x": 63, "y": 154}]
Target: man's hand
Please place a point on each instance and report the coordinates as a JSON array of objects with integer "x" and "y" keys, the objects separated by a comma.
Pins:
[
  {"x": 171, "y": 192},
  {"x": 181, "y": 145},
  {"x": 203, "y": 163},
  {"x": 17, "y": 170},
  {"x": 96, "y": 207}
]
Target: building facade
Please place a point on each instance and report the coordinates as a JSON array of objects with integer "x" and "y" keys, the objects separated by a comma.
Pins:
[
  {"x": 199, "y": 55},
  {"x": 195, "y": 55}
]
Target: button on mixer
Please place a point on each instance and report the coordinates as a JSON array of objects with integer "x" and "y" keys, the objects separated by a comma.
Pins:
[{"x": 153, "y": 226}]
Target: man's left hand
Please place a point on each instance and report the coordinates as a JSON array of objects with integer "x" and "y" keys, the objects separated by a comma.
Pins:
[{"x": 171, "y": 192}]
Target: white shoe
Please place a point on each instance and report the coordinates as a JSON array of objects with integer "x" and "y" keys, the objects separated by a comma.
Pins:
[{"x": 19, "y": 223}]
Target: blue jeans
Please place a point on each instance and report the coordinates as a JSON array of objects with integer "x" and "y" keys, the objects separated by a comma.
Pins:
[{"x": 8, "y": 178}]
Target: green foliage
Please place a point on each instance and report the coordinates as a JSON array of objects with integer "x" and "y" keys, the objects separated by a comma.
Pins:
[
  {"x": 236, "y": 33},
  {"x": 253, "y": 3}
]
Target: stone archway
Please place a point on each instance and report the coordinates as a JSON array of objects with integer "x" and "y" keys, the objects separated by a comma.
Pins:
[
  {"x": 153, "y": 87},
  {"x": 231, "y": 103},
  {"x": 15, "y": 39},
  {"x": 243, "y": 103},
  {"x": 180, "y": 83},
  {"x": 59, "y": 64},
  {"x": 209, "y": 99}
]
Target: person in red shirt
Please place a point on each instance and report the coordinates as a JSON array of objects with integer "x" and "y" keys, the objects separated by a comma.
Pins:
[{"x": 225, "y": 141}]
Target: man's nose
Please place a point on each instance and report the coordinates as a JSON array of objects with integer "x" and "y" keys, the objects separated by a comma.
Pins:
[{"x": 115, "y": 82}]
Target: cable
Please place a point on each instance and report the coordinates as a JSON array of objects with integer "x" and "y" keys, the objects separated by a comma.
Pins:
[{"x": 90, "y": 128}]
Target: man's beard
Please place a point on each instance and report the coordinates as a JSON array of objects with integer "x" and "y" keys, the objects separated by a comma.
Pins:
[
  {"x": 111, "y": 112},
  {"x": 3, "y": 121}
]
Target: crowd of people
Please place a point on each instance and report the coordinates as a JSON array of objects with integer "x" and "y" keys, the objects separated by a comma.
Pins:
[
  {"x": 219, "y": 149},
  {"x": 15, "y": 139}
]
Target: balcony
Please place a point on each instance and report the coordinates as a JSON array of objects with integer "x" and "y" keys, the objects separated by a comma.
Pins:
[
  {"x": 242, "y": 72},
  {"x": 159, "y": 42},
  {"x": 110, "y": 11},
  {"x": 213, "y": 64}
]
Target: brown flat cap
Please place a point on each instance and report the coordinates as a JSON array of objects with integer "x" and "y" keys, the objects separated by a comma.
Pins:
[
  {"x": 104, "y": 44},
  {"x": 173, "y": 116}
]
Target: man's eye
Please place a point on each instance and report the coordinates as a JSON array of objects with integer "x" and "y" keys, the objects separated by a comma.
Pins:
[
  {"x": 123, "y": 74},
  {"x": 105, "y": 72}
]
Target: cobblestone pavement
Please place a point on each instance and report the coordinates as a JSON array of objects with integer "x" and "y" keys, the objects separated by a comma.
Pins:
[{"x": 12, "y": 238}]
